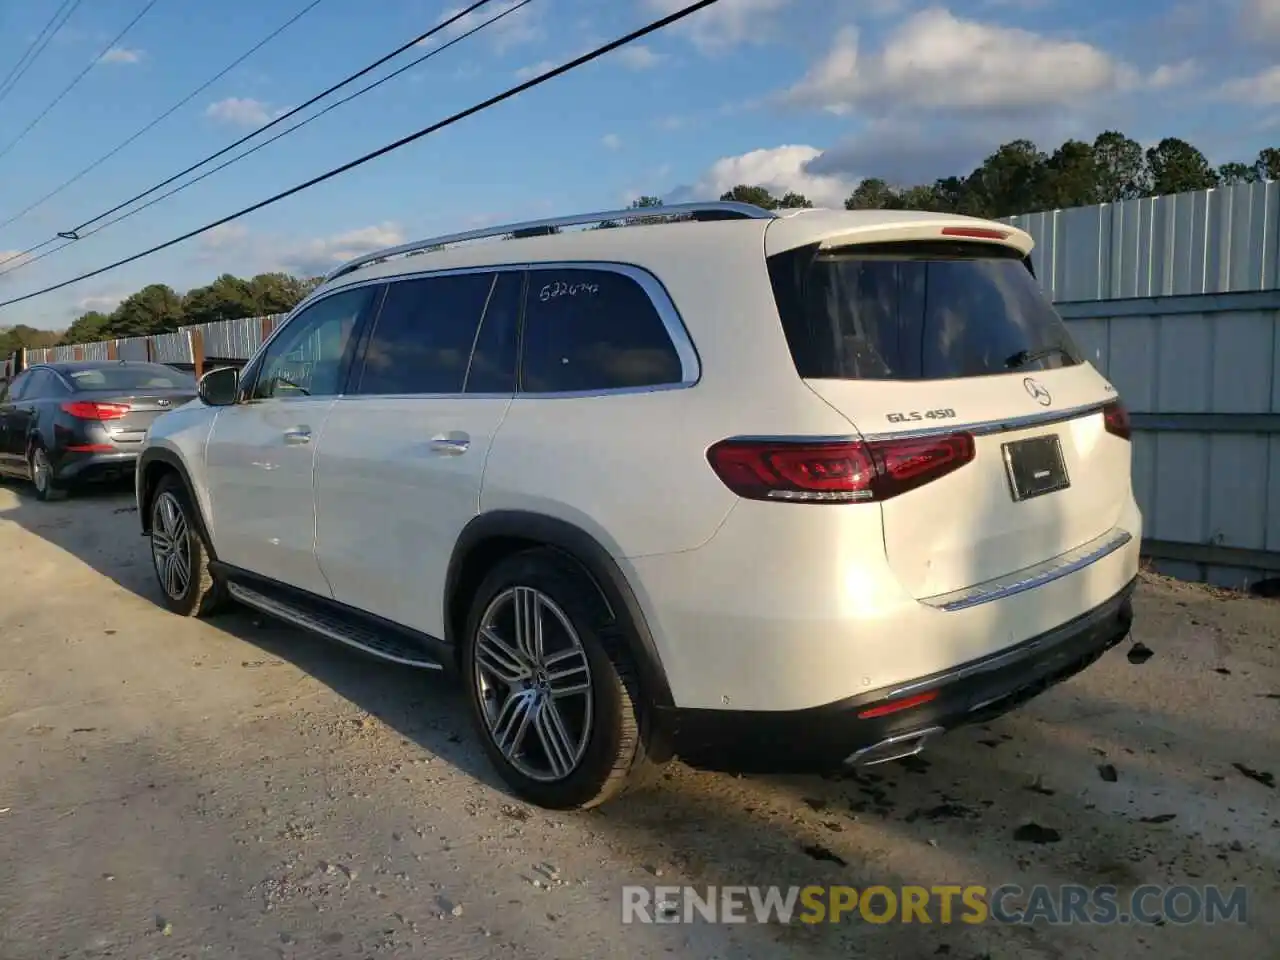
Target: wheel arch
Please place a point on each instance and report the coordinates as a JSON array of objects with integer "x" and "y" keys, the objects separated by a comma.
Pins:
[
  {"x": 153, "y": 465},
  {"x": 492, "y": 537}
]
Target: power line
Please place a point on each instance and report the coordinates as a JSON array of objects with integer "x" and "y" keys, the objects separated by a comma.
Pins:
[
  {"x": 651, "y": 27},
  {"x": 79, "y": 76},
  {"x": 32, "y": 53},
  {"x": 254, "y": 149},
  {"x": 165, "y": 115}
]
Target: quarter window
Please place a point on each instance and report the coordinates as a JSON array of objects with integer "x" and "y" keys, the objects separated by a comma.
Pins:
[{"x": 591, "y": 329}]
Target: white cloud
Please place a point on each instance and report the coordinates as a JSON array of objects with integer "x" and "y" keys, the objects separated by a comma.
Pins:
[
  {"x": 779, "y": 170},
  {"x": 241, "y": 112},
  {"x": 228, "y": 236},
  {"x": 727, "y": 23},
  {"x": 315, "y": 257},
  {"x": 1261, "y": 88},
  {"x": 1174, "y": 74},
  {"x": 121, "y": 55},
  {"x": 102, "y": 302},
  {"x": 612, "y": 141},
  {"x": 515, "y": 28},
  {"x": 11, "y": 260},
  {"x": 935, "y": 60},
  {"x": 534, "y": 69},
  {"x": 1261, "y": 18},
  {"x": 638, "y": 57}
]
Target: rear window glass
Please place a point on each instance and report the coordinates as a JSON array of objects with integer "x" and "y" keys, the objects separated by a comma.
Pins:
[
  {"x": 915, "y": 311},
  {"x": 133, "y": 376}
]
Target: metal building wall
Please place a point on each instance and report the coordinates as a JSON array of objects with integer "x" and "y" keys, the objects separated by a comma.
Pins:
[{"x": 1175, "y": 300}]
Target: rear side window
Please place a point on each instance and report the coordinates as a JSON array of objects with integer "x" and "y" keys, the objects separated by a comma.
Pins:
[
  {"x": 915, "y": 311},
  {"x": 590, "y": 330},
  {"x": 424, "y": 335}
]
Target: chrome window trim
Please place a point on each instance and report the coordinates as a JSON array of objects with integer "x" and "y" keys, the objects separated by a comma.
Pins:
[
  {"x": 987, "y": 427},
  {"x": 659, "y": 298}
]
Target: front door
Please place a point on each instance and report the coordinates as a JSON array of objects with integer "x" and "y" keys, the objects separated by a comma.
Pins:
[
  {"x": 400, "y": 466},
  {"x": 261, "y": 450}
]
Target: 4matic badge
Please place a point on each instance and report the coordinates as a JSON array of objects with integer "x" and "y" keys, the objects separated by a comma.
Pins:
[{"x": 1037, "y": 391}]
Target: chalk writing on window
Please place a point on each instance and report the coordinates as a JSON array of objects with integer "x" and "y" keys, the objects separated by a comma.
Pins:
[{"x": 559, "y": 288}]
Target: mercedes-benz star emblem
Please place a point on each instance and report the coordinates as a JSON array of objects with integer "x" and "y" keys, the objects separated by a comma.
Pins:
[{"x": 1038, "y": 391}]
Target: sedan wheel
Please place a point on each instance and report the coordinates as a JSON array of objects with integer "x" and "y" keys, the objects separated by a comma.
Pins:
[
  {"x": 42, "y": 476},
  {"x": 171, "y": 545},
  {"x": 533, "y": 681}
]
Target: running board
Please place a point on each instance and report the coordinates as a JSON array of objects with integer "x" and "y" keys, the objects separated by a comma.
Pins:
[{"x": 335, "y": 628}]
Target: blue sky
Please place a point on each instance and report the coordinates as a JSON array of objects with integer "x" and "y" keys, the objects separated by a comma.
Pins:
[{"x": 793, "y": 94}]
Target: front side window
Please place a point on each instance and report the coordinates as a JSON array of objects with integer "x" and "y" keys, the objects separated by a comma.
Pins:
[
  {"x": 309, "y": 357},
  {"x": 424, "y": 336},
  {"x": 592, "y": 329}
]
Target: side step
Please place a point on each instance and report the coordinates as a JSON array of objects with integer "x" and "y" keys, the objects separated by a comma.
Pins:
[{"x": 315, "y": 619}]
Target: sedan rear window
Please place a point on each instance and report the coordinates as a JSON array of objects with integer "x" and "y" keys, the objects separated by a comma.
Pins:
[
  {"x": 915, "y": 311},
  {"x": 130, "y": 377}
]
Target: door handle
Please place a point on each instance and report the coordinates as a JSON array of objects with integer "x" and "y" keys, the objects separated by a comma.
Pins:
[
  {"x": 450, "y": 444},
  {"x": 297, "y": 436}
]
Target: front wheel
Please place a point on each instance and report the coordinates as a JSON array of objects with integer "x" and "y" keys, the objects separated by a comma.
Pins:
[
  {"x": 552, "y": 686},
  {"x": 180, "y": 554}
]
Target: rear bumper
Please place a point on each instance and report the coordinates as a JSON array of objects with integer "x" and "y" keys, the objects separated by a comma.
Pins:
[
  {"x": 829, "y": 736},
  {"x": 88, "y": 467}
]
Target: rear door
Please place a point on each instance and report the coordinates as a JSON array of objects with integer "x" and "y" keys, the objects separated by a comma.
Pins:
[
  {"x": 931, "y": 339},
  {"x": 11, "y": 455}
]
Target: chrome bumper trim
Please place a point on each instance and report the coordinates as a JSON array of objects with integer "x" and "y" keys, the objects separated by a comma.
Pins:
[{"x": 1034, "y": 576}]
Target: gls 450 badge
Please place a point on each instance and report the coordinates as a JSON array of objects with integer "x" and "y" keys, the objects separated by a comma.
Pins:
[{"x": 944, "y": 413}]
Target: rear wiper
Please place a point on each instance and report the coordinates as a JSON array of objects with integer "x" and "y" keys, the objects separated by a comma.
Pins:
[{"x": 1024, "y": 357}]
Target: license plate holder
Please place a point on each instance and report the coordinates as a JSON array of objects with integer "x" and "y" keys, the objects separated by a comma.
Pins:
[{"x": 1035, "y": 467}]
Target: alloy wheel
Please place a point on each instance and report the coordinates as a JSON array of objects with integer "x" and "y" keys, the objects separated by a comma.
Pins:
[
  {"x": 534, "y": 684},
  {"x": 171, "y": 545},
  {"x": 40, "y": 469}
]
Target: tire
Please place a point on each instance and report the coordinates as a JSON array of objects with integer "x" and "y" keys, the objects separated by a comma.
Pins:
[
  {"x": 176, "y": 534},
  {"x": 42, "y": 475},
  {"x": 608, "y": 748}
]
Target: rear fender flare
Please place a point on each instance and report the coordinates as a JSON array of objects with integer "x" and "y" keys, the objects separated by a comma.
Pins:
[{"x": 540, "y": 530}]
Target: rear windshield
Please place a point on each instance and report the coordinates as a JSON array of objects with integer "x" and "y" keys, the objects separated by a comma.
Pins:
[
  {"x": 131, "y": 377},
  {"x": 915, "y": 311}
]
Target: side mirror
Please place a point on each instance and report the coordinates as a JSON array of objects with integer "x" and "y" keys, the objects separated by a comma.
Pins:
[{"x": 218, "y": 387}]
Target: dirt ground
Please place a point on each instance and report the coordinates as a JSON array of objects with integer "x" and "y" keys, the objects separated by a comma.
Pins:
[{"x": 235, "y": 789}]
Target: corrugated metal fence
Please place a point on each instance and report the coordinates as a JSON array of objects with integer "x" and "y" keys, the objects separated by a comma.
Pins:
[{"x": 1175, "y": 300}]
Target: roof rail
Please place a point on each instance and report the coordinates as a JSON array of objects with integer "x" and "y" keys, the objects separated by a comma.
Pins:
[{"x": 711, "y": 210}]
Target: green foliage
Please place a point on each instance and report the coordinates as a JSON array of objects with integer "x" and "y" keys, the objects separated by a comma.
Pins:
[
  {"x": 158, "y": 308},
  {"x": 22, "y": 336}
]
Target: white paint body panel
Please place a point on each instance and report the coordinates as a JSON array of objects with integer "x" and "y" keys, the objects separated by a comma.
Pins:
[
  {"x": 260, "y": 489},
  {"x": 390, "y": 503},
  {"x": 752, "y": 605}
]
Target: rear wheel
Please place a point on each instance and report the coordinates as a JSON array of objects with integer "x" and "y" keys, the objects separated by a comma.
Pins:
[
  {"x": 180, "y": 554},
  {"x": 42, "y": 475},
  {"x": 553, "y": 690}
]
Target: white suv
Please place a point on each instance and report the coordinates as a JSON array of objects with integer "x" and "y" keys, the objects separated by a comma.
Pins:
[{"x": 772, "y": 491}]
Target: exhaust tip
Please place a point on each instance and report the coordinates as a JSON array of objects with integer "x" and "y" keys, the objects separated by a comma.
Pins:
[{"x": 892, "y": 748}]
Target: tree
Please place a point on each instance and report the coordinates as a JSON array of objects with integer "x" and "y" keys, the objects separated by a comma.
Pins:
[
  {"x": 87, "y": 328},
  {"x": 743, "y": 193},
  {"x": 1012, "y": 180},
  {"x": 1122, "y": 168},
  {"x": 227, "y": 298},
  {"x": 22, "y": 336},
  {"x": 1229, "y": 174},
  {"x": 872, "y": 193},
  {"x": 1072, "y": 176},
  {"x": 1268, "y": 163},
  {"x": 794, "y": 201},
  {"x": 153, "y": 309},
  {"x": 278, "y": 292},
  {"x": 1178, "y": 167}
]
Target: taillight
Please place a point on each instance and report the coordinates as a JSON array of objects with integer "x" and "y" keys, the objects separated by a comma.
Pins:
[
  {"x": 851, "y": 471},
  {"x": 91, "y": 410},
  {"x": 1116, "y": 418}
]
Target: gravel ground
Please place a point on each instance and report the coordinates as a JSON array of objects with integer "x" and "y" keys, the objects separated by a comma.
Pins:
[{"x": 235, "y": 789}]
